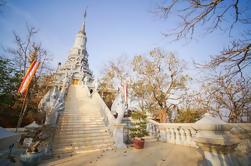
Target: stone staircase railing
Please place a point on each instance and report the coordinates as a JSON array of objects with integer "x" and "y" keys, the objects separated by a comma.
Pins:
[
  {"x": 217, "y": 139},
  {"x": 115, "y": 129},
  {"x": 105, "y": 111}
]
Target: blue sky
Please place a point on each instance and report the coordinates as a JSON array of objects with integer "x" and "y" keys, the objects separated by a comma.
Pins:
[{"x": 114, "y": 28}]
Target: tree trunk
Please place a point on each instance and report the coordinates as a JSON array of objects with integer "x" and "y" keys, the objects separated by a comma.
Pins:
[{"x": 163, "y": 116}]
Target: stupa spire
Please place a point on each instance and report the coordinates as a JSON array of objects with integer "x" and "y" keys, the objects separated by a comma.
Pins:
[{"x": 82, "y": 29}]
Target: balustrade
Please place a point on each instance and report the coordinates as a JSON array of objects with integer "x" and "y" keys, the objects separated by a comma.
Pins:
[
  {"x": 218, "y": 140},
  {"x": 175, "y": 133},
  {"x": 183, "y": 133},
  {"x": 153, "y": 129}
]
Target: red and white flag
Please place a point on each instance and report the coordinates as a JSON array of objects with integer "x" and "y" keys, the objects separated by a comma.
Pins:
[{"x": 28, "y": 77}]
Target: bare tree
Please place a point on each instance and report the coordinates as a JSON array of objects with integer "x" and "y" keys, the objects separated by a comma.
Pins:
[
  {"x": 155, "y": 81},
  {"x": 234, "y": 59},
  {"x": 106, "y": 88},
  {"x": 26, "y": 50},
  {"x": 159, "y": 80},
  {"x": 229, "y": 99},
  {"x": 193, "y": 100},
  {"x": 213, "y": 15},
  {"x": 113, "y": 77}
]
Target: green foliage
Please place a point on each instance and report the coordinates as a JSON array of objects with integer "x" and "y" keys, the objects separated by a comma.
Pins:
[
  {"x": 11, "y": 103},
  {"x": 138, "y": 128},
  {"x": 10, "y": 79},
  {"x": 188, "y": 116}
]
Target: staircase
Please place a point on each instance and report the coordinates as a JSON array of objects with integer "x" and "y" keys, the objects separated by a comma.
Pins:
[{"x": 81, "y": 127}]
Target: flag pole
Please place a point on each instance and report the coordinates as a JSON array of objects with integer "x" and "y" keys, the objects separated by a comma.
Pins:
[
  {"x": 24, "y": 89},
  {"x": 22, "y": 112}
]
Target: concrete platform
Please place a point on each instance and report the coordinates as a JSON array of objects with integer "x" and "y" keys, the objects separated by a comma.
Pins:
[{"x": 154, "y": 154}]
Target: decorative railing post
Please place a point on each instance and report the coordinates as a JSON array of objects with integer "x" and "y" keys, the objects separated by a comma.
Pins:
[
  {"x": 162, "y": 133},
  {"x": 169, "y": 135},
  {"x": 182, "y": 136},
  {"x": 215, "y": 140},
  {"x": 193, "y": 134},
  {"x": 178, "y": 136},
  {"x": 173, "y": 136}
]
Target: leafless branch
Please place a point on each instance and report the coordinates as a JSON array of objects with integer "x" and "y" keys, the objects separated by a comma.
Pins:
[
  {"x": 195, "y": 12},
  {"x": 224, "y": 95},
  {"x": 235, "y": 58},
  {"x": 212, "y": 15}
]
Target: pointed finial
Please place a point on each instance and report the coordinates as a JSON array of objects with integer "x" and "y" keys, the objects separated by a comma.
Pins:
[
  {"x": 85, "y": 13},
  {"x": 83, "y": 25}
]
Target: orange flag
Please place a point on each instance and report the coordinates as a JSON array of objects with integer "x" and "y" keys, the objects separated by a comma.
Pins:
[{"x": 28, "y": 77}]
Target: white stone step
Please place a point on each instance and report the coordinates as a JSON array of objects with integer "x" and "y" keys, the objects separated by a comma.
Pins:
[
  {"x": 82, "y": 124},
  {"x": 80, "y": 135},
  {"x": 81, "y": 128},
  {"x": 63, "y": 143},
  {"x": 83, "y": 138},
  {"x": 79, "y": 118},
  {"x": 72, "y": 131},
  {"x": 82, "y": 116},
  {"x": 83, "y": 113},
  {"x": 82, "y": 131},
  {"x": 82, "y": 120}
]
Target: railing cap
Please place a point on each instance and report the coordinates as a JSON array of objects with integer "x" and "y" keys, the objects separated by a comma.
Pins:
[{"x": 210, "y": 119}]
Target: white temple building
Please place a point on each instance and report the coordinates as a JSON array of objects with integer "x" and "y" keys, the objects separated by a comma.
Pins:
[{"x": 76, "y": 66}]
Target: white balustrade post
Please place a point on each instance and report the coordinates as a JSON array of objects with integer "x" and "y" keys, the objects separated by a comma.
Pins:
[
  {"x": 168, "y": 135},
  {"x": 178, "y": 136},
  {"x": 182, "y": 136},
  {"x": 156, "y": 131},
  {"x": 173, "y": 136},
  {"x": 188, "y": 136},
  {"x": 215, "y": 140},
  {"x": 162, "y": 132}
]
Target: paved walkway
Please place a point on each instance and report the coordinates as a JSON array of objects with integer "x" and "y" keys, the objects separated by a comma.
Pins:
[{"x": 154, "y": 154}]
